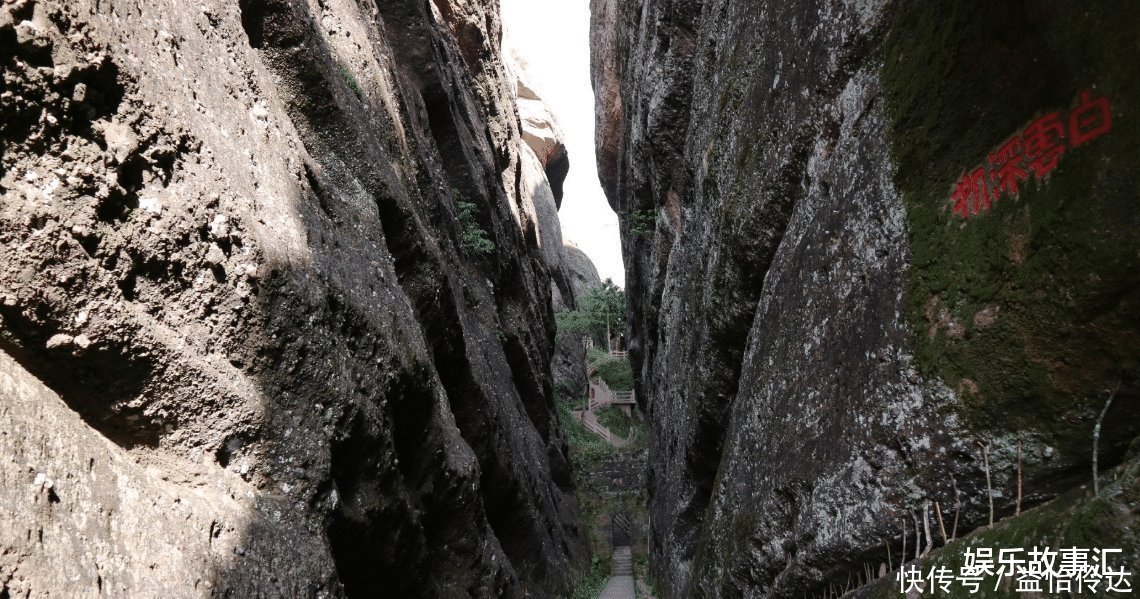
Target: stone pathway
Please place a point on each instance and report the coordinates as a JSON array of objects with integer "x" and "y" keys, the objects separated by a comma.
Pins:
[{"x": 621, "y": 584}]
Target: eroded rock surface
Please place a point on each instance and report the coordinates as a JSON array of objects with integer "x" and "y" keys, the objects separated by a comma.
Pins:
[
  {"x": 570, "y": 348},
  {"x": 540, "y": 128},
  {"x": 271, "y": 365},
  {"x": 823, "y": 345},
  {"x": 581, "y": 270}
]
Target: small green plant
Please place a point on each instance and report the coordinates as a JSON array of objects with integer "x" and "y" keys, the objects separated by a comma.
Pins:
[
  {"x": 350, "y": 79},
  {"x": 641, "y": 572},
  {"x": 474, "y": 237},
  {"x": 591, "y": 585},
  {"x": 643, "y": 222}
]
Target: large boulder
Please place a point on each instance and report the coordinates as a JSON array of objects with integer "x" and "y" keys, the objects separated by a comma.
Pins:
[
  {"x": 540, "y": 128},
  {"x": 581, "y": 270}
]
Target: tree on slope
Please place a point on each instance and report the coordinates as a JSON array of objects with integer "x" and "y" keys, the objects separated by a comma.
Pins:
[{"x": 601, "y": 310}]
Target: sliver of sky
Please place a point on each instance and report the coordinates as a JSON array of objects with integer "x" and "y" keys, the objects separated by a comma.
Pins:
[{"x": 553, "y": 38}]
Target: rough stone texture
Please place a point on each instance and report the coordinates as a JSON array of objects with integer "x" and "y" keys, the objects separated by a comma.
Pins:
[
  {"x": 544, "y": 165},
  {"x": 534, "y": 187},
  {"x": 581, "y": 270},
  {"x": 569, "y": 367},
  {"x": 540, "y": 128},
  {"x": 73, "y": 505},
  {"x": 621, "y": 475},
  {"x": 794, "y": 178},
  {"x": 569, "y": 364},
  {"x": 621, "y": 584},
  {"x": 539, "y": 178},
  {"x": 1075, "y": 519},
  {"x": 229, "y": 246}
]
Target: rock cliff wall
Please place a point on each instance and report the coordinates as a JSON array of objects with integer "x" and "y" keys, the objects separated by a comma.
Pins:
[
  {"x": 570, "y": 378},
  {"x": 253, "y": 340},
  {"x": 831, "y": 317}
]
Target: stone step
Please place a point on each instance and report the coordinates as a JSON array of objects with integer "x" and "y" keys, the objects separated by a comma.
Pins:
[{"x": 622, "y": 562}]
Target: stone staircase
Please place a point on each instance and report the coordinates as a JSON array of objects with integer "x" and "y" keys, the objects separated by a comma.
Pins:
[
  {"x": 621, "y": 584},
  {"x": 622, "y": 562}
]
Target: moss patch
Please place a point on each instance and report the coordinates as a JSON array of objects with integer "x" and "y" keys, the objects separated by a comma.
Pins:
[
  {"x": 615, "y": 420},
  {"x": 595, "y": 354},
  {"x": 617, "y": 373},
  {"x": 1032, "y": 309},
  {"x": 1075, "y": 519}
]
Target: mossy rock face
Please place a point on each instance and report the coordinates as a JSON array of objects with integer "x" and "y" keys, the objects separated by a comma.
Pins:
[
  {"x": 1030, "y": 310},
  {"x": 1075, "y": 519}
]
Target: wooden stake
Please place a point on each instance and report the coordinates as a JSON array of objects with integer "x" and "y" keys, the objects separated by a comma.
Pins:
[
  {"x": 926, "y": 528},
  {"x": 957, "y": 507},
  {"x": 989, "y": 482},
  {"x": 1017, "y": 511},
  {"x": 902, "y": 562},
  {"x": 1096, "y": 441},
  {"x": 917, "y": 536},
  {"x": 941, "y": 525}
]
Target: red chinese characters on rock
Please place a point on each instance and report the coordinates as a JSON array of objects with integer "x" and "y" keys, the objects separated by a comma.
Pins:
[
  {"x": 1037, "y": 149},
  {"x": 972, "y": 194},
  {"x": 1044, "y": 143},
  {"x": 1091, "y": 119}
]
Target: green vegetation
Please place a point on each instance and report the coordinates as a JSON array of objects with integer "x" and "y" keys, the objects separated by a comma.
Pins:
[
  {"x": 592, "y": 584},
  {"x": 587, "y": 451},
  {"x": 643, "y": 222},
  {"x": 617, "y": 373},
  {"x": 1075, "y": 519},
  {"x": 615, "y": 420},
  {"x": 475, "y": 239},
  {"x": 350, "y": 79},
  {"x": 596, "y": 353},
  {"x": 596, "y": 512},
  {"x": 1043, "y": 290},
  {"x": 586, "y": 448},
  {"x": 641, "y": 572},
  {"x": 600, "y": 312}
]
